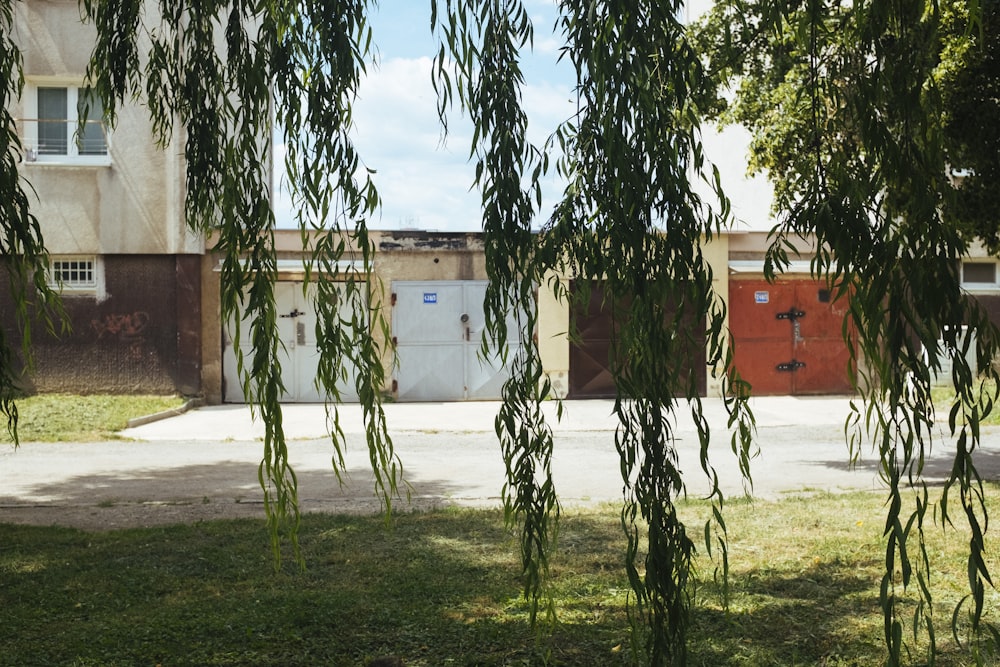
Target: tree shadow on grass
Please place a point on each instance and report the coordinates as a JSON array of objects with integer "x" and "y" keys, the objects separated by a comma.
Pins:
[
  {"x": 434, "y": 588},
  {"x": 826, "y": 614},
  {"x": 438, "y": 588},
  {"x": 229, "y": 489}
]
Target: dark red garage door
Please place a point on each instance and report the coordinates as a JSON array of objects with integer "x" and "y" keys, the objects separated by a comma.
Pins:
[
  {"x": 787, "y": 337},
  {"x": 590, "y": 356}
]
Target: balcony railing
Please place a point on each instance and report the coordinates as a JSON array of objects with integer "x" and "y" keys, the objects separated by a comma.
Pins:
[{"x": 47, "y": 140}]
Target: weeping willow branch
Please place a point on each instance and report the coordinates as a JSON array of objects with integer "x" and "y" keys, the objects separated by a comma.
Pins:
[
  {"x": 635, "y": 150},
  {"x": 22, "y": 249},
  {"x": 485, "y": 51},
  {"x": 226, "y": 74},
  {"x": 860, "y": 83},
  {"x": 629, "y": 219},
  {"x": 321, "y": 55}
]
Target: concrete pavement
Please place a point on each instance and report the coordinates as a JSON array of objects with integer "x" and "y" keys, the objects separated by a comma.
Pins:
[
  {"x": 308, "y": 421},
  {"x": 203, "y": 464}
]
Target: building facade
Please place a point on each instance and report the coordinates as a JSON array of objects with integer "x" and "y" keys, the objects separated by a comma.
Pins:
[
  {"x": 110, "y": 208},
  {"x": 142, "y": 291}
]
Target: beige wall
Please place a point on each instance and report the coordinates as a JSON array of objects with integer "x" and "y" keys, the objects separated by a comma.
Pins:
[
  {"x": 132, "y": 203},
  {"x": 53, "y": 40},
  {"x": 717, "y": 255},
  {"x": 751, "y": 246},
  {"x": 553, "y": 336}
]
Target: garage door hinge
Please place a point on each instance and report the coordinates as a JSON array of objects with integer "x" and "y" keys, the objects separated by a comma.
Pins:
[
  {"x": 792, "y": 314},
  {"x": 791, "y": 366}
]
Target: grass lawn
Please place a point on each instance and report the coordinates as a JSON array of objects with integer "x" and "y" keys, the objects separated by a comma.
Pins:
[
  {"x": 442, "y": 588},
  {"x": 944, "y": 397},
  {"x": 74, "y": 418}
]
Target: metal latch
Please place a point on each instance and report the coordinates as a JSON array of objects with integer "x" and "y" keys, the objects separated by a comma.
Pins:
[
  {"x": 791, "y": 314},
  {"x": 791, "y": 366},
  {"x": 294, "y": 313}
]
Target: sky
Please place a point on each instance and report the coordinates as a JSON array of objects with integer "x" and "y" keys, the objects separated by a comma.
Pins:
[{"x": 424, "y": 178}]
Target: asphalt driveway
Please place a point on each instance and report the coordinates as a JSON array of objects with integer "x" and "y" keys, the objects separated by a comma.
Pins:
[{"x": 203, "y": 464}]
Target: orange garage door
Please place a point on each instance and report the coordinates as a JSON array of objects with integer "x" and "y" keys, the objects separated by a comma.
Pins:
[{"x": 787, "y": 337}]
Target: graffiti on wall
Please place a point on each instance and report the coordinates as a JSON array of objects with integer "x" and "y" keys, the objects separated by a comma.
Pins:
[{"x": 124, "y": 327}]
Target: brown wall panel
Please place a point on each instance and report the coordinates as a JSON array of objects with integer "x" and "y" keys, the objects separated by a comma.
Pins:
[
  {"x": 991, "y": 304},
  {"x": 144, "y": 337},
  {"x": 189, "y": 324}
]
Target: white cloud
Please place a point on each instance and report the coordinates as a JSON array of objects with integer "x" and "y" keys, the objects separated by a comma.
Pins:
[
  {"x": 423, "y": 182},
  {"x": 426, "y": 184},
  {"x": 750, "y": 196},
  {"x": 548, "y": 105}
]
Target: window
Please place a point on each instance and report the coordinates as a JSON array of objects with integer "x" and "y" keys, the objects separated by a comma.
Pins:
[
  {"x": 76, "y": 274},
  {"x": 979, "y": 274},
  {"x": 55, "y": 131}
]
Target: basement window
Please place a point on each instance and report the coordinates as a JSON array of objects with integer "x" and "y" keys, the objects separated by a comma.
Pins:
[{"x": 76, "y": 275}]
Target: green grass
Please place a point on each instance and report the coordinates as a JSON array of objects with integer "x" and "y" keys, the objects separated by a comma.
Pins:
[
  {"x": 442, "y": 588},
  {"x": 73, "y": 418},
  {"x": 944, "y": 397}
]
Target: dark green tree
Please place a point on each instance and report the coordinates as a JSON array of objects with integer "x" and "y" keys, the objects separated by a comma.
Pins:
[
  {"x": 970, "y": 98},
  {"x": 861, "y": 115}
]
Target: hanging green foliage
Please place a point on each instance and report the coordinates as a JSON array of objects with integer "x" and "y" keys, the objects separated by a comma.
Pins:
[
  {"x": 629, "y": 221},
  {"x": 845, "y": 104},
  {"x": 22, "y": 248},
  {"x": 233, "y": 76}
]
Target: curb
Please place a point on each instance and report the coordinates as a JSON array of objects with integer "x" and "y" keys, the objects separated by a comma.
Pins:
[{"x": 190, "y": 404}]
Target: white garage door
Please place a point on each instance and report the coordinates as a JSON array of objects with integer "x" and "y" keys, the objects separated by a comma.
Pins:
[
  {"x": 300, "y": 357},
  {"x": 438, "y": 328}
]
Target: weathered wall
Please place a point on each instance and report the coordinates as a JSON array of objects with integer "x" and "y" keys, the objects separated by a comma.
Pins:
[
  {"x": 211, "y": 326},
  {"x": 145, "y": 337},
  {"x": 553, "y": 343},
  {"x": 406, "y": 255},
  {"x": 131, "y": 203},
  {"x": 717, "y": 256},
  {"x": 399, "y": 255}
]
